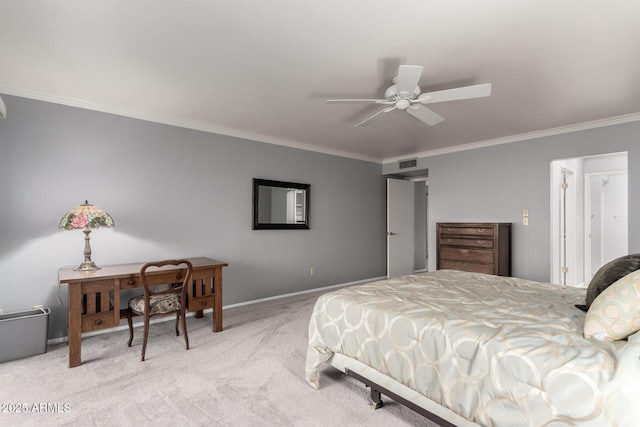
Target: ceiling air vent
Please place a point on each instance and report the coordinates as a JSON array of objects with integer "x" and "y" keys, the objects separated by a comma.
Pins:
[{"x": 405, "y": 164}]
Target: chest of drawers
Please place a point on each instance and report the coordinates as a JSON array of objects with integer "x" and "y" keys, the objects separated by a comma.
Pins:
[{"x": 476, "y": 247}]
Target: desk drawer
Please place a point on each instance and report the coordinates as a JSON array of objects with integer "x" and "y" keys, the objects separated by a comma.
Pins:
[
  {"x": 200, "y": 303},
  {"x": 95, "y": 321},
  {"x": 160, "y": 278}
]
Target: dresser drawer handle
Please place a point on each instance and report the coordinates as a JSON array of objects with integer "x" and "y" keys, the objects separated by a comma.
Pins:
[
  {"x": 464, "y": 251},
  {"x": 97, "y": 321},
  {"x": 449, "y": 229},
  {"x": 480, "y": 242},
  {"x": 480, "y": 230}
]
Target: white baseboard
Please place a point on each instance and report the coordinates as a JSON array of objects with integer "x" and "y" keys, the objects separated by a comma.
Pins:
[{"x": 240, "y": 304}]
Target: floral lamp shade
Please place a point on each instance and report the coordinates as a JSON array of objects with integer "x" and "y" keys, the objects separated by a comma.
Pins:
[{"x": 86, "y": 217}]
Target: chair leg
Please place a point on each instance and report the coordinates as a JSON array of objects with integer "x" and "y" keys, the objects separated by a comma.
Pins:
[
  {"x": 184, "y": 328},
  {"x": 177, "y": 321},
  {"x": 146, "y": 335},
  {"x": 130, "y": 322}
]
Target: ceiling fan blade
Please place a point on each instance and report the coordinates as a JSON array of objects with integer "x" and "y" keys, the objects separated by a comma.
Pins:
[
  {"x": 374, "y": 115},
  {"x": 466, "y": 92},
  {"x": 332, "y": 101},
  {"x": 408, "y": 78},
  {"x": 428, "y": 116}
]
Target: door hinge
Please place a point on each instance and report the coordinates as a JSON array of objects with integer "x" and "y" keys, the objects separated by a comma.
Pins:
[
  {"x": 565, "y": 269},
  {"x": 564, "y": 185}
]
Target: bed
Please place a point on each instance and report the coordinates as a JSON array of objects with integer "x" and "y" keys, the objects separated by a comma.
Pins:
[{"x": 469, "y": 349}]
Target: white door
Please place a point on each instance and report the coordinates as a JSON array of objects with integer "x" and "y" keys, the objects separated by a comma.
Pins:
[
  {"x": 401, "y": 198},
  {"x": 614, "y": 217}
]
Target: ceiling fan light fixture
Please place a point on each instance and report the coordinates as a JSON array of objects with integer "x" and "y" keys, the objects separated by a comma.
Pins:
[{"x": 402, "y": 104}]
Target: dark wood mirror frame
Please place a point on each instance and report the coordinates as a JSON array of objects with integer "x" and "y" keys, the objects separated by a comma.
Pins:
[{"x": 299, "y": 224}]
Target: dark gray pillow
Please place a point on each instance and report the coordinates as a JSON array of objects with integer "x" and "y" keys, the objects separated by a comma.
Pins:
[{"x": 608, "y": 274}]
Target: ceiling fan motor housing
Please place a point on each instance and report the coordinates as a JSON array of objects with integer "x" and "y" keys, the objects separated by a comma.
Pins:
[{"x": 392, "y": 95}]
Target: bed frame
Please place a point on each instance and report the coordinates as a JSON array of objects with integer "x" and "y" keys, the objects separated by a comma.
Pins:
[{"x": 377, "y": 403}]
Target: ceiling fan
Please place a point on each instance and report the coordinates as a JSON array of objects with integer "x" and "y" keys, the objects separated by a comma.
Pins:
[{"x": 405, "y": 94}]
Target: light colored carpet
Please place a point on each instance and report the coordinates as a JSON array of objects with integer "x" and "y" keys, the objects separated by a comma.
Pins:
[{"x": 250, "y": 374}]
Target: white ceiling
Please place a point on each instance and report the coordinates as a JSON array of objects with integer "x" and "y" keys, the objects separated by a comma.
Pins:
[{"x": 262, "y": 69}]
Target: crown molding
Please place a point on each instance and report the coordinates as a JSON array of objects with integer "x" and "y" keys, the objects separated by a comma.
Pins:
[
  {"x": 209, "y": 128},
  {"x": 204, "y": 127},
  {"x": 627, "y": 118}
]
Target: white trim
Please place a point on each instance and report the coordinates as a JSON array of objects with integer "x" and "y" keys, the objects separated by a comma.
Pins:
[
  {"x": 3, "y": 109},
  {"x": 61, "y": 340},
  {"x": 628, "y": 118},
  {"x": 188, "y": 124}
]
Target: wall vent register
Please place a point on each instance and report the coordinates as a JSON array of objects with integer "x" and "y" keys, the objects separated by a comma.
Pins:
[{"x": 405, "y": 164}]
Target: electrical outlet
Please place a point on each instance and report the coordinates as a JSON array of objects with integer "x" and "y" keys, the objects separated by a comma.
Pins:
[
  {"x": 525, "y": 221},
  {"x": 312, "y": 271}
]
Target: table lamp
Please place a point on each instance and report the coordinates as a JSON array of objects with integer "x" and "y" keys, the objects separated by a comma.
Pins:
[{"x": 86, "y": 217}]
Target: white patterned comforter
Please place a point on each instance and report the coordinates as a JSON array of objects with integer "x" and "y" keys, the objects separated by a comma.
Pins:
[{"x": 495, "y": 350}]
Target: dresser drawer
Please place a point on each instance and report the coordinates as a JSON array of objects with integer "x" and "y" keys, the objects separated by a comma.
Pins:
[
  {"x": 466, "y": 242},
  {"x": 467, "y": 231},
  {"x": 467, "y": 266},
  {"x": 464, "y": 254}
]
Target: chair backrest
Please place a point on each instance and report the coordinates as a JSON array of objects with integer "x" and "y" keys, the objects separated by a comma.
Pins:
[{"x": 178, "y": 286}]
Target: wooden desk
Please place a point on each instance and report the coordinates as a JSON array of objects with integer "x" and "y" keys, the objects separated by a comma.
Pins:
[{"x": 94, "y": 296}]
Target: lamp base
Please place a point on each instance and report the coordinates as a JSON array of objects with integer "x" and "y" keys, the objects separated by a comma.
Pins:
[{"x": 87, "y": 266}]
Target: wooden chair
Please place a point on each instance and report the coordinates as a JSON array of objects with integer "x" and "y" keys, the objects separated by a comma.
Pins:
[{"x": 160, "y": 302}]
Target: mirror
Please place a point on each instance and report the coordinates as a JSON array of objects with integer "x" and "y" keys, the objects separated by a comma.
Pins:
[{"x": 279, "y": 205}]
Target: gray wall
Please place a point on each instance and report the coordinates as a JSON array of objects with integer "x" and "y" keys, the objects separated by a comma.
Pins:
[
  {"x": 421, "y": 226},
  {"x": 496, "y": 183},
  {"x": 173, "y": 192}
]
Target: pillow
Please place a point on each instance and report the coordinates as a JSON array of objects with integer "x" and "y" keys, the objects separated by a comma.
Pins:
[
  {"x": 615, "y": 313},
  {"x": 608, "y": 274}
]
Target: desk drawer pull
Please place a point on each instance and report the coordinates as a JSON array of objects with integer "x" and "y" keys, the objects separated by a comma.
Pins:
[
  {"x": 131, "y": 282},
  {"x": 203, "y": 303},
  {"x": 98, "y": 322}
]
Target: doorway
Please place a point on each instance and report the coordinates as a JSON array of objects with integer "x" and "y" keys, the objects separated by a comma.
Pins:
[
  {"x": 407, "y": 223},
  {"x": 588, "y": 216}
]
